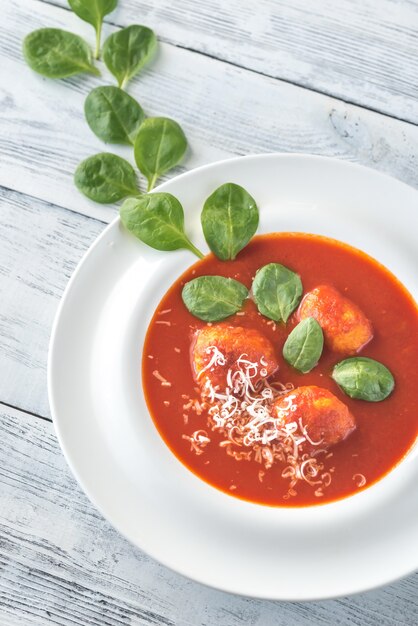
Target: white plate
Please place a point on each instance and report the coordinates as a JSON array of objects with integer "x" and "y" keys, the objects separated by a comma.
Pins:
[{"x": 118, "y": 456}]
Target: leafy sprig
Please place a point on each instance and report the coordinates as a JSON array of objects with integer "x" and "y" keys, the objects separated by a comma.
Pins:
[
  {"x": 229, "y": 220},
  {"x": 127, "y": 51},
  {"x": 93, "y": 12},
  {"x": 106, "y": 178},
  {"x": 159, "y": 146},
  {"x": 157, "y": 219},
  {"x": 114, "y": 116},
  {"x": 57, "y": 53}
]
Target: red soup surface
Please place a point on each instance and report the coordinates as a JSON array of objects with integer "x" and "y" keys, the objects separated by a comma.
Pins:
[{"x": 385, "y": 430}]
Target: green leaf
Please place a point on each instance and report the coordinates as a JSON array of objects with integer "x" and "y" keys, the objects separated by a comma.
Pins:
[
  {"x": 157, "y": 219},
  {"x": 277, "y": 291},
  {"x": 128, "y": 50},
  {"x": 364, "y": 379},
  {"x": 213, "y": 298},
  {"x": 160, "y": 145},
  {"x": 113, "y": 115},
  {"x": 106, "y": 178},
  {"x": 229, "y": 220},
  {"x": 304, "y": 345},
  {"x": 56, "y": 53},
  {"x": 93, "y": 12}
]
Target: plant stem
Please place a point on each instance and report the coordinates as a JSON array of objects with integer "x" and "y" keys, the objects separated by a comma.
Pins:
[
  {"x": 151, "y": 182},
  {"x": 195, "y": 251},
  {"x": 98, "y": 37}
]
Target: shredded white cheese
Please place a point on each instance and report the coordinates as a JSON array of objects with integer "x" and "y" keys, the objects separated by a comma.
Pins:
[
  {"x": 359, "y": 479},
  {"x": 242, "y": 414},
  {"x": 163, "y": 381}
]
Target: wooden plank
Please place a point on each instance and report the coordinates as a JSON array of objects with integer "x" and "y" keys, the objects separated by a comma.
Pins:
[
  {"x": 40, "y": 246},
  {"x": 225, "y": 111},
  {"x": 362, "y": 51},
  {"x": 62, "y": 563}
]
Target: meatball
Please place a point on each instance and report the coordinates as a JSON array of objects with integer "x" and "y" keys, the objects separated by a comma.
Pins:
[
  {"x": 325, "y": 418},
  {"x": 346, "y": 328},
  {"x": 216, "y": 349}
]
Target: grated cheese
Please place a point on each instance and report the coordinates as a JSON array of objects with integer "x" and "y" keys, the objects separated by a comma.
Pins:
[
  {"x": 163, "y": 381},
  {"x": 360, "y": 480},
  {"x": 198, "y": 441},
  {"x": 216, "y": 359},
  {"x": 242, "y": 414}
]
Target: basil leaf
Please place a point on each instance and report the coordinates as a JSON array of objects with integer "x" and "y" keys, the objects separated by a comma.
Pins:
[
  {"x": 157, "y": 219},
  {"x": 56, "y": 53},
  {"x": 304, "y": 345},
  {"x": 277, "y": 291},
  {"x": 113, "y": 115},
  {"x": 364, "y": 379},
  {"x": 213, "y": 298},
  {"x": 106, "y": 178},
  {"x": 127, "y": 51},
  {"x": 229, "y": 220},
  {"x": 93, "y": 12},
  {"x": 160, "y": 144}
]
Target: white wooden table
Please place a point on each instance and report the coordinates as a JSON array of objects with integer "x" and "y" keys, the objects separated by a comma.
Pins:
[{"x": 331, "y": 78}]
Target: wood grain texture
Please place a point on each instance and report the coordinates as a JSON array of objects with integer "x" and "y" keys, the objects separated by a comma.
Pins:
[
  {"x": 361, "y": 51},
  {"x": 40, "y": 246},
  {"x": 62, "y": 563},
  {"x": 225, "y": 111}
]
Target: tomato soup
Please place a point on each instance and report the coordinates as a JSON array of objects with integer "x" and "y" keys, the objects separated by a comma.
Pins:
[{"x": 385, "y": 430}]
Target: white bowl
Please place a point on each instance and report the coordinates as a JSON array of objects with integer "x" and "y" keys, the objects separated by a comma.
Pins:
[{"x": 116, "y": 453}]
